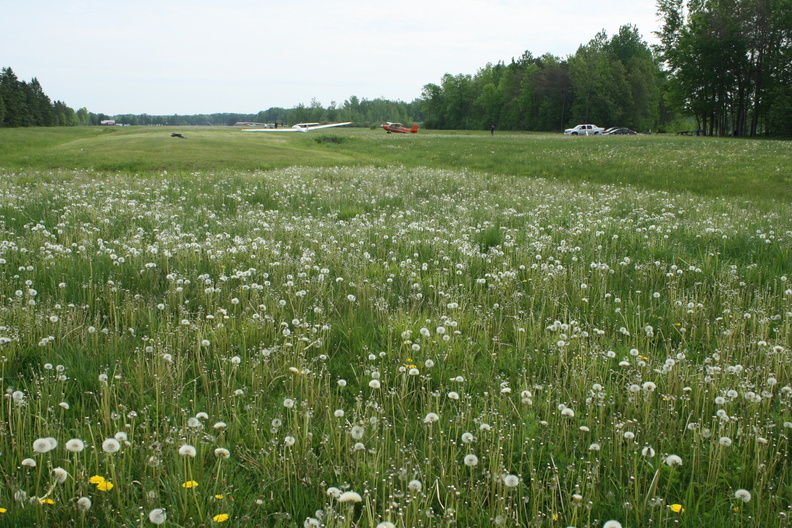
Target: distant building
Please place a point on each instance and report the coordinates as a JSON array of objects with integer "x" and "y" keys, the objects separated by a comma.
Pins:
[{"x": 107, "y": 122}]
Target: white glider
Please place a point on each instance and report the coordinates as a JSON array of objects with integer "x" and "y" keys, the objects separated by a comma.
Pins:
[{"x": 299, "y": 127}]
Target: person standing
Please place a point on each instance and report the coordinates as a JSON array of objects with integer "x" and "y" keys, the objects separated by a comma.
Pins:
[{"x": 492, "y": 130}]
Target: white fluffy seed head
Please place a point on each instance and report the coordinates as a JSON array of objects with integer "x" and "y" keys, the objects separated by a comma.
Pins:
[
  {"x": 111, "y": 445},
  {"x": 743, "y": 495},
  {"x": 60, "y": 474},
  {"x": 673, "y": 460},
  {"x": 187, "y": 450},
  {"x": 511, "y": 481},
  {"x": 41, "y": 445},
  {"x": 350, "y": 496},
  {"x": 158, "y": 516}
]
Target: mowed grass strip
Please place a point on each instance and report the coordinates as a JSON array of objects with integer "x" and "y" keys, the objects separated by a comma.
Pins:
[
  {"x": 749, "y": 169},
  {"x": 147, "y": 149}
]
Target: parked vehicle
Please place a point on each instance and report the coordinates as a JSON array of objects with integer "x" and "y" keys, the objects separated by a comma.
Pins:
[
  {"x": 584, "y": 130},
  {"x": 619, "y": 131}
]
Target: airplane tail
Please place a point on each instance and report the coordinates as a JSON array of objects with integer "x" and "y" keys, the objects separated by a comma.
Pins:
[{"x": 414, "y": 129}]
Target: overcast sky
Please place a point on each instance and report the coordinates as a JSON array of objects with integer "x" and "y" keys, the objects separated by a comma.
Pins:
[{"x": 200, "y": 56}]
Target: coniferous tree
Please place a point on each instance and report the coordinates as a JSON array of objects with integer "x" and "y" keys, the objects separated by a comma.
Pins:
[{"x": 13, "y": 93}]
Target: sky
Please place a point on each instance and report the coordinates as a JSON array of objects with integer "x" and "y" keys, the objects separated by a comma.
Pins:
[{"x": 202, "y": 57}]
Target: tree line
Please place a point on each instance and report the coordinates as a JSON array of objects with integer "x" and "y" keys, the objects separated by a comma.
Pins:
[
  {"x": 610, "y": 81},
  {"x": 722, "y": 66},
  {"x": 361, "y": 112},
  {"x": 24, "y": 104}
]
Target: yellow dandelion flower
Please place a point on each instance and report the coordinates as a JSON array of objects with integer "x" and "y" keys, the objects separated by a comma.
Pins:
[
  {"x": 677, "y": 508},
  {"x": 47, "y": 501},
  {"x": 223, "y": 517},
  {"x": 104, "y": 486},
  {"x": 190, "y": 484},
  {"x": 736, "y": 508},
  {"x": 219, "y": 497},
  {"x": 96, "y": 479},
  {"x": 3, "y": 510}
]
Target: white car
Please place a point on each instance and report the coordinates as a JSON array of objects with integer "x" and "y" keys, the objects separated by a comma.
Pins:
[{"x": 584, "y": 130}]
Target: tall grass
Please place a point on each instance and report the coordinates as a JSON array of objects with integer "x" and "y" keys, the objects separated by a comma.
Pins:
[{"x": 455, "y": 349}]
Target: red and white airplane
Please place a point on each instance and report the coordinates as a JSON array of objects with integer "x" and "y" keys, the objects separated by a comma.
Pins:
[
  {"x": 299, "y": 127},
  {"x": 399, "y": 128}
]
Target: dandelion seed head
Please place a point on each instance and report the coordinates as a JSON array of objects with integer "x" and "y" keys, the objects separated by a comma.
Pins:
[
  {"x": 158, "y": 516},
  {"x": 350, "y": 497},
  {"x": 743, "y": 495},
  {"x": 431, "y": 418},
  {"x": 75, "y": 445},
  {"x": 673, "y": 460},
  {"x": 511, "y": 481},
  {"x": 187, "y": 450},
  {"x": 111, "y": 445},
  {"x": 333, "y": 492},
  {"x": 41, "y": 445},
  {"x": 357, "y": 432},
  {"x": 60, "y": 474}
]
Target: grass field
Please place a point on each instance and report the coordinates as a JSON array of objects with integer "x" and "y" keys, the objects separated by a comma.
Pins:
[
  {"x": 747, "y": 169},
  {"x": 361, "y": 329}
]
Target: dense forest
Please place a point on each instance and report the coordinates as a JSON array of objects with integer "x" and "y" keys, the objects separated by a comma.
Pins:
[
  {"x": 722, "y": 66},
  {"x": 24, "y": 104}
]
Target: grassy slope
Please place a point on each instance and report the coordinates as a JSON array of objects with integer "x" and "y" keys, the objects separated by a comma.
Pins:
[
  {"x": 753, "y": 169},
  {"x": 142, "y": 149}
]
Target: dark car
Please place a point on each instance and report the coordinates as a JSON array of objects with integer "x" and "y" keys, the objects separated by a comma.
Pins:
[{"x": 619, "y": 131}]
